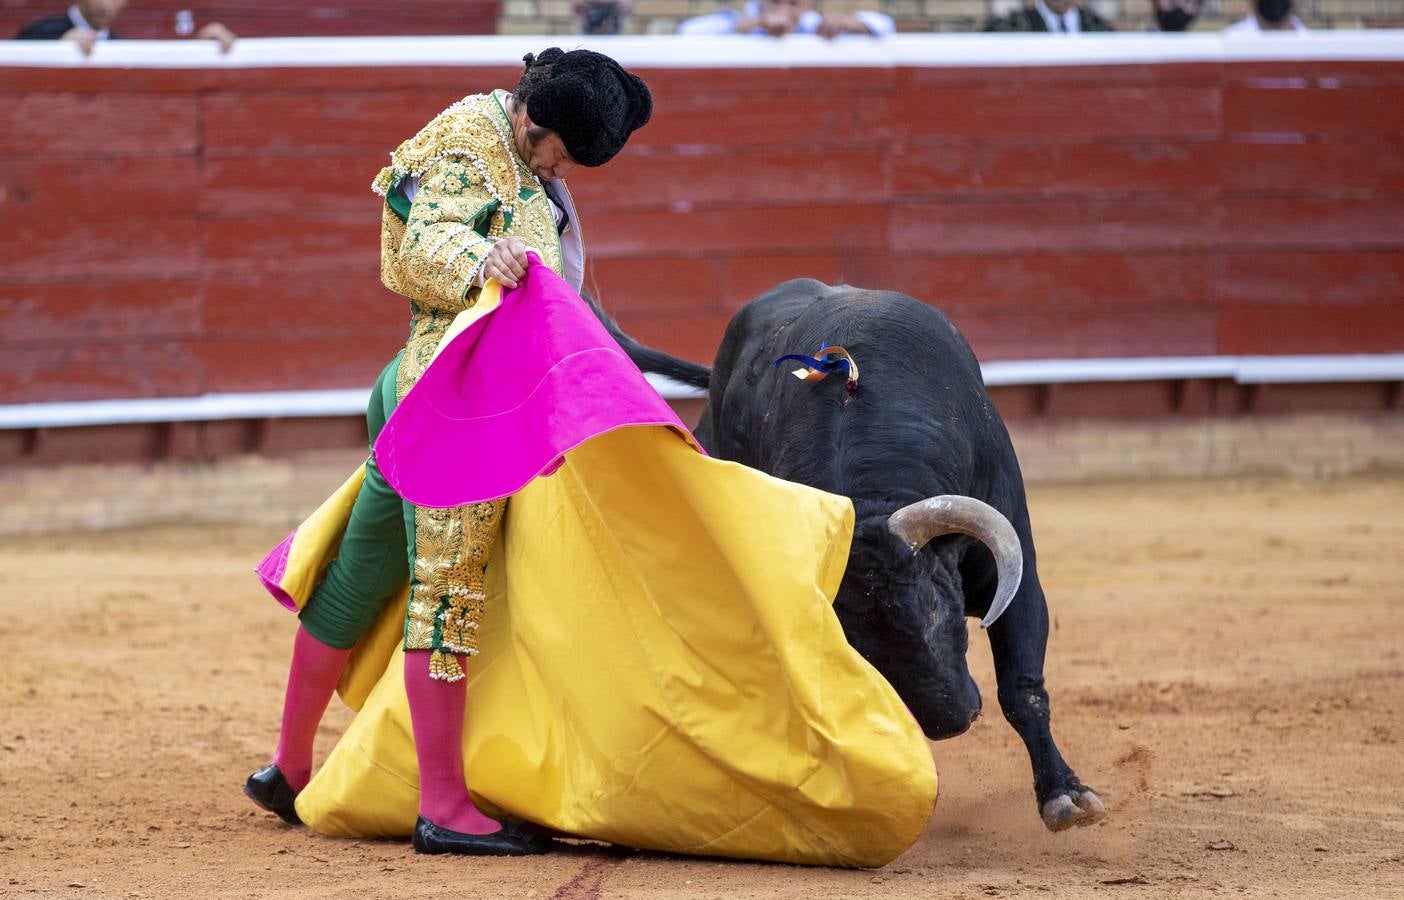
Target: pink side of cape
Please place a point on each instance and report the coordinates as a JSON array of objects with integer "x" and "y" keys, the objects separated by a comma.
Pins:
[
  {"x": 271, "y": 571},
  {"x": 511, "y": 395}
]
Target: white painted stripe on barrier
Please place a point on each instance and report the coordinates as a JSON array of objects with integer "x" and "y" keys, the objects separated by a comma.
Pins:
[
  {"x": 313, "y": 404},
  {"x": 1052, "y": 371},
  {"x": 1302, "y": 369},
  {"x": 272, "y": 404},
  {"x": 1242, "y": 369},
  {"x": 671, "y": 51}
]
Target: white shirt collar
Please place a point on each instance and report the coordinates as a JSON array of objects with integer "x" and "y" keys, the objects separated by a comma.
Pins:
[
  {"x": 75, "y": 15},
  {"x": 1071, "y": 21}
]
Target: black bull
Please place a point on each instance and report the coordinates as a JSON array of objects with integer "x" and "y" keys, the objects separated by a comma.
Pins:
[{"x": 918, "y": 424}]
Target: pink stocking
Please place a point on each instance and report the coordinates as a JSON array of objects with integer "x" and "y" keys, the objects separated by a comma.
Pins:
[
  {"x": 316, "y": 668},
  {"x": 436, "y": 711}
]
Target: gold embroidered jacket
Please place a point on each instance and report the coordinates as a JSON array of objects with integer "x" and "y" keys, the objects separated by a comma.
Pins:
[{"x": 473, "y": 189}]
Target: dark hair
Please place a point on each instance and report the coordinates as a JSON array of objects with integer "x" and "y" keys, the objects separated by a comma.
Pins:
[
  {"x": 585, "y": 97},
  {"x": 537, "y": 71}
]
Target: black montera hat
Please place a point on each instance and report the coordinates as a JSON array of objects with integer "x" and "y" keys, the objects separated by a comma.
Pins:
[{"x": 588, "y": 99}]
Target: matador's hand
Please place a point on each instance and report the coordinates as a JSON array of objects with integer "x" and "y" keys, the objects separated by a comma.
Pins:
[{"x": 506, "y": 261}]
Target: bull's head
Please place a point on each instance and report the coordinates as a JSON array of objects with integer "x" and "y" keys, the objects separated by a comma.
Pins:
[{"x": 904, "y": 609}]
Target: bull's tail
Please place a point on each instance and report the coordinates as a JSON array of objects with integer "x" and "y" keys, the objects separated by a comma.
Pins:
[{"x": 649, "y": 359}]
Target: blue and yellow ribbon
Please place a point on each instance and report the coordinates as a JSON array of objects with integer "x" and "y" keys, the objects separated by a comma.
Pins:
[{"x": 829, "y": 360}]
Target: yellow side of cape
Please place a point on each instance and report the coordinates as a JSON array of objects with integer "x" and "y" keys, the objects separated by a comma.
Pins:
[{"x": 660, "y": 666}]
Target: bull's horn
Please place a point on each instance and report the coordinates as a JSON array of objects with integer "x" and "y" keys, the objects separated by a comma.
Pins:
[{"x": 950, "y": 514}]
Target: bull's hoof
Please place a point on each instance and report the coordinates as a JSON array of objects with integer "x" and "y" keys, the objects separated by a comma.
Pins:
[{"x": 1078, "y": 805}]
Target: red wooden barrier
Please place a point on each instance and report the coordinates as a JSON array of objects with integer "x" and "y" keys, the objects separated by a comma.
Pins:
[{"x": 173, "y": 232}]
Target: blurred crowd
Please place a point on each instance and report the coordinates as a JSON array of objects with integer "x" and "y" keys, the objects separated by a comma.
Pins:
[
  {"x": 86, "y": 22},
  {"x": 778, "y": 17},
  {"x": 89, "y": 21}
]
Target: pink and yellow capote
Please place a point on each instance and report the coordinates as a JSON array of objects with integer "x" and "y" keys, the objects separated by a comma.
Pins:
[{"x": 659, "y": 662}]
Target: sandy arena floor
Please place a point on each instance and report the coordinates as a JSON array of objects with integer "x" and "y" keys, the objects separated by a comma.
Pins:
[{"x": 1226, "y": 669}]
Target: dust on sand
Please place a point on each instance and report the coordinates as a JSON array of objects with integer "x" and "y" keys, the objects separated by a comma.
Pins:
[{"x": 1225, "y": 667}]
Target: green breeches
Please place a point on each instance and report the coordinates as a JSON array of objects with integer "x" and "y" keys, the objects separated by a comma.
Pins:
[{"x": 373, "y": 562}]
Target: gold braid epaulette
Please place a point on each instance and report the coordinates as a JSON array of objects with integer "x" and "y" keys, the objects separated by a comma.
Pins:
[{"x": 470, "y": 130}]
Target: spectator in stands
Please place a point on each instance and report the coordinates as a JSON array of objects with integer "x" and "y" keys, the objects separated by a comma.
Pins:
[
  {"x": 89, "y": 21},
  {"x": 1269, "y": 15},
  {"x": 1175, "y": 15},
  {"x": 601, "y": 16},
  {"x": 782, "y": 17},
  {"x": 1060, "y": 16}
]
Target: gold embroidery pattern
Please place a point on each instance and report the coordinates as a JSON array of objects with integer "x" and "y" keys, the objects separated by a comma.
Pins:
[
  {"x": 537, "y": 228},
  {"x": 452, "y": 549},
  {"x": 459, "y": 622},
  {"x": 444, "y": 667},
  {"x": 470, "y": 129},
  {"x": 434, "y": 258},
  {"x": 468, "y": 169},
  {"x": 427, "y": 327}
]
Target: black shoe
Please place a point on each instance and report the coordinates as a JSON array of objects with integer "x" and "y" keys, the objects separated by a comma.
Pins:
[
  {"x": 269, "y": 789},
  {"x": 511, "y": 839}
]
